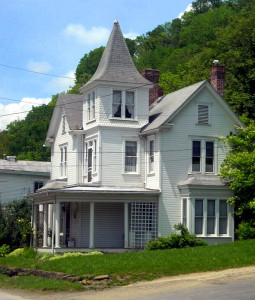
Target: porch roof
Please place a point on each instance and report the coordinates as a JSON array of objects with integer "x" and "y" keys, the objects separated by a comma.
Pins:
[{"x": 203, "y": 180}]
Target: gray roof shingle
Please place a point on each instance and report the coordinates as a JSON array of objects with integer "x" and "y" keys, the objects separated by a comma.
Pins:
[
  {"x": 25, "y": 166},
  {"x": 72, "y": 106},
  {"x": 166, "y": 106},
  {"x": 116, "y": 64},
  {"x": 203, "y": 180}
]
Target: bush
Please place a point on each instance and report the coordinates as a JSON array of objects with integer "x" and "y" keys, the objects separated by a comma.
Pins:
[
  {"x": 26, "y": 252},
  {"x": 4, "y": 250},
  {"x": 176, "y": 240},
  {"x": 245, "y": 231}
]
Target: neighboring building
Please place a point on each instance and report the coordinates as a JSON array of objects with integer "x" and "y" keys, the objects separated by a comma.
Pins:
[
  {"x": 18, "y": 178},
  {"x": 124, "y": 173}
]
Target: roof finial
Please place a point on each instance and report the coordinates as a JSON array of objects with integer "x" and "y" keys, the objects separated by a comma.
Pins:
[{"x": 116, "y": 22}]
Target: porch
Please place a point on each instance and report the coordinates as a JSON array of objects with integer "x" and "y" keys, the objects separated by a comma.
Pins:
[{"x": 103, "y": 222}]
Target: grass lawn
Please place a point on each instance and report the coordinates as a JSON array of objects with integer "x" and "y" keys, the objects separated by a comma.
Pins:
[{"x": 130, "y": 267}]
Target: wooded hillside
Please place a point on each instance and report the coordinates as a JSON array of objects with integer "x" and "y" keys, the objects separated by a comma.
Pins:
[{"x": 182, "y": 50}]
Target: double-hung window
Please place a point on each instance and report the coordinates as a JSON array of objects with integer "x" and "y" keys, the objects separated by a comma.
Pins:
[
  {"x": 203, "y": 156},
  {"x": 223, "y": 217},
  {"x": 130, "y": 156},
  {"x": 91, "y": 106},
  {"x": 63, "y": 161},
  {"x": 123, "y": 104},
  {"x": 151, "y": 156},
  {"x": 199, "y": 216},
  {"x": 90, "y": 159}
]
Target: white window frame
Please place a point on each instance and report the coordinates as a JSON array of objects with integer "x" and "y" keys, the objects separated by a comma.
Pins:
[
  {"x": 91, "y": 143},
  {"x": 151, "y": 156},
  {"x": 137, "y": 155},
  {"x": 208, "y": 114},
  {"x": 203, "y": 157},
  {"x": 123, "y": 104},
  {"x": 91, "y": 102},
  {"x": 63, "y": 160},
  {"x": 205, "y": 217}
]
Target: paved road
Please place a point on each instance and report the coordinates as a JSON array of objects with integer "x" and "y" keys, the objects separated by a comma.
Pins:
[{"x": 234, "y": 284}]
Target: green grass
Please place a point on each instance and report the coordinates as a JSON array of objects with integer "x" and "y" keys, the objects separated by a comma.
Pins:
[{"x": 146, "y": 265}]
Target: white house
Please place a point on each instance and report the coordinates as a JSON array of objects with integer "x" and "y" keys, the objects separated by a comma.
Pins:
[
  {"x": 123, "y": 172},
  {"x": 18, "y": 178}
]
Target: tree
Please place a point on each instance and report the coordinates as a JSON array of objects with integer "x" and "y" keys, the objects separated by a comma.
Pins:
[{"x": 238, "y": 169}]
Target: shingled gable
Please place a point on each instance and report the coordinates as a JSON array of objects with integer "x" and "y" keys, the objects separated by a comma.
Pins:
[
  {"x": 168, "y": 106},
  {"x": 116, "y": 64},
  {"x": 69, "y": 105}
]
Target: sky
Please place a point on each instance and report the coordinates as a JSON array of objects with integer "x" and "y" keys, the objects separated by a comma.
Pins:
[{"x": 51, "y": 36}]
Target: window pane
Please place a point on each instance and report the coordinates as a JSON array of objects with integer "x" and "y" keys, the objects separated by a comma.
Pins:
[
  {"x": 198, "y": 225},
  {"x": 116, "y": 107},
  {"x": 130, "y": 98},
  {"x": 211, "y": 208},
  {"x": 199, "y": 216},
  {"x": 210, "y": 225},
  {"x": 223, "y": 208},
  {"x": 130, "y": 156},
  {"x": 196, "y": 154},
  {"x": 223, "y": 226},
  {"x": 196, "y": 164},
  {"x": 117, "y": 97},
  {"x": 184, "y": 211},
  {"x": 196, "y": 148}
]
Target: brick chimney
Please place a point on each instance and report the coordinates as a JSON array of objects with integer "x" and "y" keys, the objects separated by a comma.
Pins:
[
  {"x": 156, "y": 91},
  {"x": 218, "y": 78}
]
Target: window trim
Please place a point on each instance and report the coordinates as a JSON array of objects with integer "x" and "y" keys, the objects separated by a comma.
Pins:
[
  {"x": 131, "y": 139},
  {"x": 203, "y": 154},
  {"x": 91, "y": 143},
  {"x": 123, "y": 105},
  {"x": 151, "y": 157},
  {"x": 91, "y": 106},
  {"x": 63, "y": 160}
]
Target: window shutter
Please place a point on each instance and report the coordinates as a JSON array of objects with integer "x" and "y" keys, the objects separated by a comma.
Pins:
[{"x": 203, "y": 114}]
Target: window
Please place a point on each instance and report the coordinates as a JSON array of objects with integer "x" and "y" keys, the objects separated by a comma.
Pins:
[
  {"x": 151, "y": 156},
  {"x": 223, "y": 217},
  {"x": 63, "y": 161},
  {"x": 203, "y": 156},
  {"x": 63, "y": 124},
  {"x": 90, "y": 159},
  {"x": 210, "y": 216},
  {"x": 91, "y": 106},
  {"x": 123, "y": 104},
  {"x": 184, "y": 212},
  {"x": 203, "y": 114},
  {"x": 37, "y": 185},
  {"x": 199, "y": 216},
  {"x": 130, "y": 156}
]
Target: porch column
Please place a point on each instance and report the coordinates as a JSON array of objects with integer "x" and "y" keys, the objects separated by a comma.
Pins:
[
  {"x": 45, "y": 225},
  {"x": 126, "y": 225},
  {"x": 50, "y": 213},
  {"x": 57, "y": 225},
  {"x": 35, "y": 216},
  {"x": 91, "y": 224}
]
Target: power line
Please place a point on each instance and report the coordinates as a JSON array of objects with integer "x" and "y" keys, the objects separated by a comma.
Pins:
[{"x": 41, "y": 73}]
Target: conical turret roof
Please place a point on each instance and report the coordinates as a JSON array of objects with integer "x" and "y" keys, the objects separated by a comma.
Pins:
[{"x": 116, "y": 64}]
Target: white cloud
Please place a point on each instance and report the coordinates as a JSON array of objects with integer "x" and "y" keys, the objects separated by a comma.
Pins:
[
  {"x": 189, "y": 8},
  {"x": 93, "y": 36},
  {"x": 39, "y": 66},
  {"x": 61, "y": 84},
  {"x": 131, "y": 35},
  {"x": 18, "y": 111}
]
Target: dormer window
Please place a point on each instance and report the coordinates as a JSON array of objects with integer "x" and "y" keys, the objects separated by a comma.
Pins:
[
  {"x": 123, "y": 104},
  {"x": 203, "y": 114},
  {"x": 91, "y": 106}
]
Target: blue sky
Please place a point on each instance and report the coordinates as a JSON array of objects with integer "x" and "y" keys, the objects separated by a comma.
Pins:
[{"x": 51, "y": 36}]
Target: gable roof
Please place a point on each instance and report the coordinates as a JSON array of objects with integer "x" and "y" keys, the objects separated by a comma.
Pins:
[
  {"x": 72, "y": 106},
  {"x": 166, "y": 107},
  {"x": 116, "y": 64}
]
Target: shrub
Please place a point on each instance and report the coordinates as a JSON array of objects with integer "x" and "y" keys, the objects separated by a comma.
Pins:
[
  {"x": 245, "y": 231},
  {"x": 26, "y": 252},
  {"x": 176, "y": 240},
  {"x": 4, "y": 250}
]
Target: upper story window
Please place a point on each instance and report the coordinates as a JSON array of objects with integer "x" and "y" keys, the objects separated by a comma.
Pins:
[
  {"x": 203, "y": 114},
  {"x": 90, "y": 159},
  {"x": 63, "y": 161},
  {"x": 123, "y": 104},
  {"x": 151, "y": 156},
  {"x": 203, "y": 156},
  {"x": 130, "y": 156},
  {"x": 91, "y": 114}
]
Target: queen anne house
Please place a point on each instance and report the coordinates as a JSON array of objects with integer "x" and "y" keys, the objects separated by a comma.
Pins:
[{"x": 125, "y": 172}]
